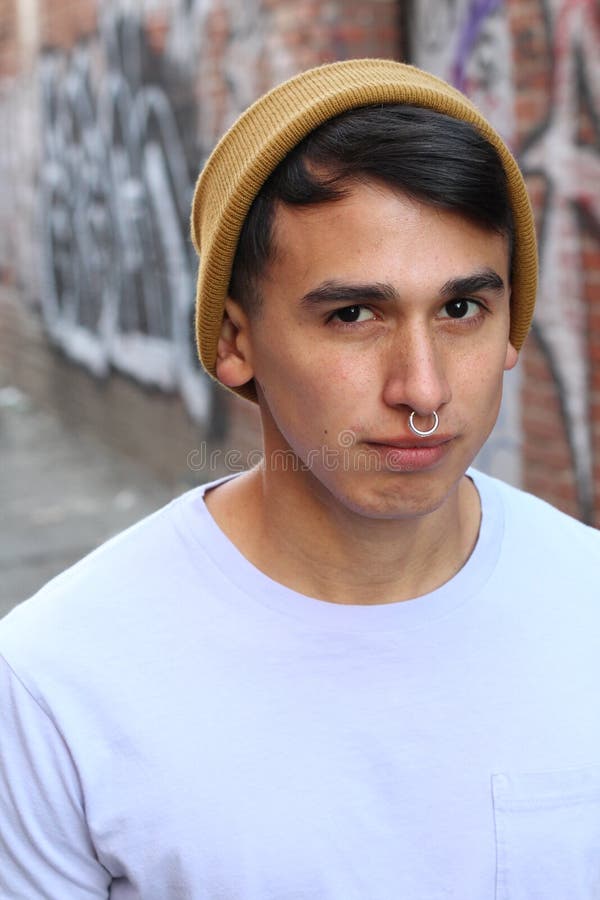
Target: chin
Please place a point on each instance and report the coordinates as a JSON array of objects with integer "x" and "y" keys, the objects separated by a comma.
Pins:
[{"x": 400, "y": 497}]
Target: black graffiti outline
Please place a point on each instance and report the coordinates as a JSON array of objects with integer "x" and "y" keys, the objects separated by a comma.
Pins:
[{"x": 113, "y": 155}]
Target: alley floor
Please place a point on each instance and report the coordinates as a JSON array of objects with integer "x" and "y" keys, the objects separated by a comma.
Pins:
[{"x": 62, "y": 494}]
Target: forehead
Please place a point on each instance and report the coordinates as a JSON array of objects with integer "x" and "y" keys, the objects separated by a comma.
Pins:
[{"x": 380, "y": 232}]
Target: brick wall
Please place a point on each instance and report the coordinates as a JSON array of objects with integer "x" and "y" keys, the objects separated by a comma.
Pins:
[
  {"x": 86, "y": 201},
  {"x": 64, "y": 22},
  {"x": 556, "y": 60}
]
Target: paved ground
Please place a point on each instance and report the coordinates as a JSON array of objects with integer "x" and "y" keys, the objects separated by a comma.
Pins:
[{"x": 61, "y": 494}]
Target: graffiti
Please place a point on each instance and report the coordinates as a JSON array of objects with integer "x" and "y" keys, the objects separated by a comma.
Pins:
[
  {"x": 570, "y": 169},
  {"x": 432, "y": 23},
  {"x": 19, "y": 196},
  {"x": 242, "y": 56},
  {"x": 125, "y": 129},
  {"x": 481, "y": 66},
  {"x": 467, "y": 42},
  {"x": 116, "y": 190},
  {"x": 477, "y": 19}
]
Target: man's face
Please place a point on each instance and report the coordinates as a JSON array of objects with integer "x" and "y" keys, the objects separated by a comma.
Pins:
[{"x": 374, "y": 306}]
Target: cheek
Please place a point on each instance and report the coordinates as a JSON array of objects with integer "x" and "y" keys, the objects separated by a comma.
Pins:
[
  {"x": 308, "y": 375},
  {"x": 481, "y": 383},
  {"x": 312, "y": 397},
  {"x": 475, "y": 372}
]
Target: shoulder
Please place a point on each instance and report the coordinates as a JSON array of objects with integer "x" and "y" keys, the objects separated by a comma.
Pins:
[
  {"x": 525, "y": 511},
  {"x": 540, "y": 544},
  {"x": 122, "y": 596}
]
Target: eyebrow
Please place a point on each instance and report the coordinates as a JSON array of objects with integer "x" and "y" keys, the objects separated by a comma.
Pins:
[
  {"x": 340, "y": 292},
  {"x": 486, "y": 280}
]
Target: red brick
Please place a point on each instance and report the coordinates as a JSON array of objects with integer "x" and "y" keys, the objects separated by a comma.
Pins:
[
  {"x": 9, "y": 38},
  {"x": 63, "y": 22}
]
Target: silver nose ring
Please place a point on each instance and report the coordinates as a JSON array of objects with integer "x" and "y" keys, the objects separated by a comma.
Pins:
[{"x": 417, "y": 431}]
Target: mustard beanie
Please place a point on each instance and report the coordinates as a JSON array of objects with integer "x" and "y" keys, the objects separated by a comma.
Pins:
[{"x": 268, "y": 130}]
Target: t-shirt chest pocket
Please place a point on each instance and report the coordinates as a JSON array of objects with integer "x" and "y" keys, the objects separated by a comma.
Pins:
[{"x": 548, "y": 835}]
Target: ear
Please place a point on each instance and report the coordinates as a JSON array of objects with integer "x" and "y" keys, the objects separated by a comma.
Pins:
[
  {"x": 512, "y": 356},
  {"x": 234, "y": 356}
]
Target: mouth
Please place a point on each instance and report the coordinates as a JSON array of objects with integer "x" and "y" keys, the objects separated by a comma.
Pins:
[
  {"x": 406, "y": 455},
  {"x": 411, "y": 443}
]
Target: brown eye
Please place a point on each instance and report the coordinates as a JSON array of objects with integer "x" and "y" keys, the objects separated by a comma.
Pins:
[
  {"x": 350, "y": 314},
  {"x": 461, "y": 309},
  {"x": 457, "y": 309}
]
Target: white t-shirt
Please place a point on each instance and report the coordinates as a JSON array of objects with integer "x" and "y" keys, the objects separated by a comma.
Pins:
[{"x": 174, "y": 724}]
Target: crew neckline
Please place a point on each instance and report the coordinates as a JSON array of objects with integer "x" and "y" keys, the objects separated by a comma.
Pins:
[{"x": 210, "y": 542}]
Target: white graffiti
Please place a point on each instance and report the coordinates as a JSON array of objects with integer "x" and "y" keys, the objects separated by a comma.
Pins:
[
  {"x": 118, "y": 270},
  {"x": 572, "y": 175}
]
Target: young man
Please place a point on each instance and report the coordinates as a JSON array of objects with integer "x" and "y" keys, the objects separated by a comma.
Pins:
[{"x": 358, "y": 671}]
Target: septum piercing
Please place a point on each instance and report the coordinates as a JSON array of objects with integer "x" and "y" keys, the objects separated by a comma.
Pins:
[{"x": 415, "y": 430}]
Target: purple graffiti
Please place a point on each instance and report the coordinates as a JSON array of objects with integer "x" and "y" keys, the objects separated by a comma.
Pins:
[{"x": 479, "y": 11}]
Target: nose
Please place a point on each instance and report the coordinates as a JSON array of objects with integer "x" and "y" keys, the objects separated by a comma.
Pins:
[{"x": 416, "y": 372}]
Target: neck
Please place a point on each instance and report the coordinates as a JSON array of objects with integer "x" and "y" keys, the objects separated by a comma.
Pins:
[{"x": 298, "y": 535}]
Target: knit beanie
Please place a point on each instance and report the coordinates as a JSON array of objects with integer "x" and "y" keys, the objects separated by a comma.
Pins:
[{"x": 268, "y": 130}]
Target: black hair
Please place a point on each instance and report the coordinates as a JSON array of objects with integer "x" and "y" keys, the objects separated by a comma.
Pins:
[{"x": 427, "y": 155}]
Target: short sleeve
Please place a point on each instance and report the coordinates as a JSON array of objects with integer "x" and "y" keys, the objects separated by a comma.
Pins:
[{"x": 45, "y": 846}]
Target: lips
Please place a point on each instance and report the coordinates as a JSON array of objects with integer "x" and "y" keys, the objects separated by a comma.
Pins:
[
  {"x": 411, "y": 442},
  {"x": 405, "y": 455}
]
